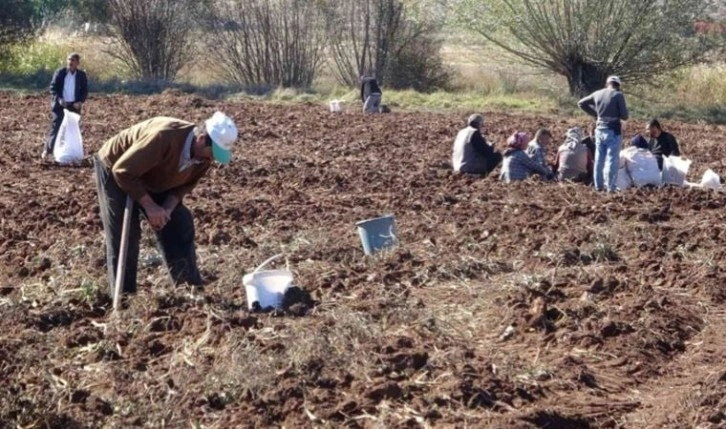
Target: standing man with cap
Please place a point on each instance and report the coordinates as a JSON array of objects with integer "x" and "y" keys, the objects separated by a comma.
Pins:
[
  {"x": 156, "y": 163},
  {"x": 608, "y": 106},
  {"x": 69, "y": 88}
]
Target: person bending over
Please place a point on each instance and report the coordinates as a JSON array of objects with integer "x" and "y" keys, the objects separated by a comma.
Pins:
[{"x": 157, "y": 162}]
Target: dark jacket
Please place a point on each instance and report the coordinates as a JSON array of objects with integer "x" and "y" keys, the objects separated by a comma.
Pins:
[
  {"x": 368, "y": 86},
  {"x": 56, "y": 86},
  {"x": 472, "y": 154},
  {"x": 665, "y": 145}
]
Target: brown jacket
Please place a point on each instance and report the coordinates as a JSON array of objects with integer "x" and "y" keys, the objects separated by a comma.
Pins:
[{"x": 145, "y": 158}]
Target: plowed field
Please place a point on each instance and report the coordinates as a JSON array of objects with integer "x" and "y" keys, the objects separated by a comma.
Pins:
[{"x": 532, "y": 305}]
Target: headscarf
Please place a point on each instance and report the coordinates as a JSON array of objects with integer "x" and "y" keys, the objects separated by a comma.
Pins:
[
  {"x": 639, "y": 141},
  {"x": 518, "y": 140},
  {"x": 573, "y": 138}
]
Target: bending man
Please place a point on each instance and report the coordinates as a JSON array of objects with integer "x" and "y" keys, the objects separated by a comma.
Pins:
[{"x": 156, "y": 163}]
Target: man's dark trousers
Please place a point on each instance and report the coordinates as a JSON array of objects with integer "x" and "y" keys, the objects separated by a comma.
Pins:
[
  {"x": 58, "y": 115},
  {"x": 176, "y": 239}
]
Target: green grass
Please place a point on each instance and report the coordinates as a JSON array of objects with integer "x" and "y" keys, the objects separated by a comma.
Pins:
[{"x": 483, "y": 80}]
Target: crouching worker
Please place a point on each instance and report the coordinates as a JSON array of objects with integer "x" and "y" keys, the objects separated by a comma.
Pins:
[
  {"x": 574, "y": 160},
  {"x": 517, "y": 164},
  {"x": 537, "y": 148},
  {"x": 472, "y": 153},
  {"x": 156, "y": 163},
  {"x": 661, "y": 143},
  {"x": 370, "y": 94}
]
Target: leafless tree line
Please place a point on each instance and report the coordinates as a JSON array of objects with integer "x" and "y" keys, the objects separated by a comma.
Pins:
[
  {"x": 279, "y": 42},
  {"x": 155, "y": 35}
]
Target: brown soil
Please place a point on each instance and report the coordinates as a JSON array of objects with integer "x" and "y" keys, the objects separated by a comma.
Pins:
[{"x": 531, "y": 305}]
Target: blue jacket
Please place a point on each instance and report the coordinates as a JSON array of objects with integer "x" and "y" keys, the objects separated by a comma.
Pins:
[{"x": 56, "y": 86}]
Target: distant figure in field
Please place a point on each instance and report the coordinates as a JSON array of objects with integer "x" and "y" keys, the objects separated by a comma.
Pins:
[
  {"x": 370, "y": 94},
  {"x": 574, "y": 161},
  {"x": 661, "y": 143},
  {"x": 69, "y": 88},
  {"x": 608, "y": 106},
  {"x": 472, "y": 154},
  {"x": 517, "y": 165},
  {"x": 537, "y": 148}
]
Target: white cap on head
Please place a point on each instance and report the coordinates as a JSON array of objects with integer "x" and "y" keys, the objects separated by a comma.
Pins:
[
  {"x": 223, "y": 132},
  {"x": 614, "y": 79}
]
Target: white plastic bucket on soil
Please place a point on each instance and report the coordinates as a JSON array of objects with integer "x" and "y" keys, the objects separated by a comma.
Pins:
[
  {"x": 335, "y": 106},
  {"x": 266, "y": 287}
]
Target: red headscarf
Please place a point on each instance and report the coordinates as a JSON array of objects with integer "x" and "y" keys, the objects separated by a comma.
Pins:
[{"x": 518, "y": 140}]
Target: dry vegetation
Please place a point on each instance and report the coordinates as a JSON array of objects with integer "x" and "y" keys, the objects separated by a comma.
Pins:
[{"x": 530, "y": 305}]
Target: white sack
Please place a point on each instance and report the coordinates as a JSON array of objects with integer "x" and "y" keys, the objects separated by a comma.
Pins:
[
  {"x": 711, "y": 180},
  {"x": 675, "y": 170},
  {"x": 643, "y": 167},
  {"x": 68, "y": 146}
]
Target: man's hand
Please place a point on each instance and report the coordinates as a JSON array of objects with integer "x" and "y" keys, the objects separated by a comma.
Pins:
[
  {"x": 155, "y": 214},
  {"x": 78, "y": 105},
  {"x": 61, "y": 102},
  {"x": 170, "y": 204}
]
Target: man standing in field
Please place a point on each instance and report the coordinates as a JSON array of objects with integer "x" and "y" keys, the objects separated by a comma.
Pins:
[
  {"x": 156, "y": 163},
  {"x": 69, "y": 88},
  {"x": 608, "y": 106}
]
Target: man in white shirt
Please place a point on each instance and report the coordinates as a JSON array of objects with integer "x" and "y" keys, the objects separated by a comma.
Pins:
[{"x": 69, "y": 88}]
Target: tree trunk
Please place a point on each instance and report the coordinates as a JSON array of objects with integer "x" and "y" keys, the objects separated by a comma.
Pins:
[{"x": 584, "y": 79}]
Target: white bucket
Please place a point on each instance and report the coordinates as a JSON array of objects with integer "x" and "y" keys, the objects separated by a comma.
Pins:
[
  {"x": 266, "y": 287},
  {"x": 335, "y": 106}
]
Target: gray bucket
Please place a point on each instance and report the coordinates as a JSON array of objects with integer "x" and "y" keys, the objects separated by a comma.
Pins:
[{"x": 377, "y": 234}]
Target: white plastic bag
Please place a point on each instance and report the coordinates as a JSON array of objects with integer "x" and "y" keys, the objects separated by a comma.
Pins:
[
  {"x": 675, "y": 170},
  {"x": 623, "y": 181},
  {"x": 711, "y": 180},
  {"x": 643, "y": 168},
  {"x": 68, "y": 148}
]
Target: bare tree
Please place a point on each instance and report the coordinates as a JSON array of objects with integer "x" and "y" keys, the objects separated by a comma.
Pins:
[
  {"x": 154, "y": 35},
  {"x": 585, "y": 40},
  {"x": 394, "y": 39},
  {"x": 267, "y": 42},
  {"x": 361, "y": 36}
]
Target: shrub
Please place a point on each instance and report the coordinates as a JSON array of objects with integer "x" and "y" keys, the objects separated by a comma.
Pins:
[{"x": 154, "y": 35}]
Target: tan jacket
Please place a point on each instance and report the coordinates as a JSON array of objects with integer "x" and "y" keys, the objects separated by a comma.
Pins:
[{"x": 145, "y": 158}]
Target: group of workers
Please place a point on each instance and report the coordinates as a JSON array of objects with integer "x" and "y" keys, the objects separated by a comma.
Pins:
[
  {"x": 157, "y": 162},
  {"x": 589, "y": 159}
]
